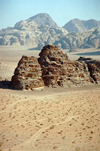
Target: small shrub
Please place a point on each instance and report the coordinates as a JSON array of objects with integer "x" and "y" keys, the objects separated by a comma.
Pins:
[
  {"x": 52, "y": 127},
  {"x": 1, "y": 143}
]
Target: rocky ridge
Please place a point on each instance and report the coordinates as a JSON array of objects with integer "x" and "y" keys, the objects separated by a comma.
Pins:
[
  {"x": 29, "y": 33},
  {"x": 53, "y": 69},
  {"x": 77, "y": 25},
  {"x": 41, "y": 30},
  {"x": 80, "y": 40}
]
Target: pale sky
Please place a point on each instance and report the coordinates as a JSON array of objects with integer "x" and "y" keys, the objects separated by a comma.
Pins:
[{"x": 61, "y": 11}]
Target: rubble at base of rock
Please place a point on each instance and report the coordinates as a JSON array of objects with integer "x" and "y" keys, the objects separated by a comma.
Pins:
[{"x": 53, "y": 69}]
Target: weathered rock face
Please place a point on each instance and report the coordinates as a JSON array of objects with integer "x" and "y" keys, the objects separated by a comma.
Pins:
[
  {"x": 52, "y": 61},
  {"x": 27, "y": 75},
  {"x": 93, "y": 67},
  {"x": 58, "y": 70},
  {"x": 77, "y": 74},
  {"x": 53, "y": 68}
]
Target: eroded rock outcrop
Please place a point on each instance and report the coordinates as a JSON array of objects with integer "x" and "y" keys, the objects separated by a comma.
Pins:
[
  {"x": 58, "y": 70},
  {"x": 52, "y": 61},
  {"x": 93, "y": 67},
  {"x": 53, "y": 69},
  {"x": 28, "y": 74}
]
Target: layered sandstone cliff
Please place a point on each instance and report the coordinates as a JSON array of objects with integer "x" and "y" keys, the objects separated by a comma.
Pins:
[
  {"x": 58, "y": 70},
  {"x": 28, "y": 74}
]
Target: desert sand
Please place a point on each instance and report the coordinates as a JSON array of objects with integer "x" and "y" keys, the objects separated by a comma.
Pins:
[{"x": 60, "y": 119}]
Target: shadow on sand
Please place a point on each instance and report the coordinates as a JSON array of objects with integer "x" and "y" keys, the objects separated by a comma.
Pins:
[
  {"x": 89, "y": 53},
  {"x": 5, "y": 84}
]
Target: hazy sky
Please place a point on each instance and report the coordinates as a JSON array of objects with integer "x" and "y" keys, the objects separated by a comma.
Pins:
[{"x": 61, "y": 11}]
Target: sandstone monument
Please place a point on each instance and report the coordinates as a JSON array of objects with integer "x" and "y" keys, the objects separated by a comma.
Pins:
[{"x": 53, "y": 69}]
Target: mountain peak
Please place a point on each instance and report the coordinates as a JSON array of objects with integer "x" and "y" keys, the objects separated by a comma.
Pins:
[
  {"x": 77, "y": 25},
  {"x": 43, "y": 19}
]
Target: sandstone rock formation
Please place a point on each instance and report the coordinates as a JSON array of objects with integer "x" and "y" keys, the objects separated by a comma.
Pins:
[
  {"x": 27, "y": 75},
  {"x": 58, "y": 70},
  {"x": 93, "y": 67},
  {"x": 53, "y": 69},
  {"x": 52, "y": 61}
]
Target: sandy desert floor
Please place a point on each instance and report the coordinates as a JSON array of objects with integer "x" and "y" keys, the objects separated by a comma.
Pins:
[{"x": 59, "y": 119}]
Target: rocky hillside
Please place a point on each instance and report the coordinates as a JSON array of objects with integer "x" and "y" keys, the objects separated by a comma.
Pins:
[
  {"x": 77, "y": 25},
  {"x": 41, "y": 30},
  {"x": 35, "y": 31},
  {"x": 87, "y": 39},
  {"x": 53, "y": 69}
]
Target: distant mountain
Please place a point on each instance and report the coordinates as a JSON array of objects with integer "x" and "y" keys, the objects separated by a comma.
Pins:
[
  {"x": 36, "y": 31},
  {"x": 24, "y": 24},
  {"x": 41, "y": 30},
  {"x": 77, "y": 25},
  {"x": 76, "y": 40},
  {"x": 43, "y": 19},
  {"x": 36, "y": 21}
]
